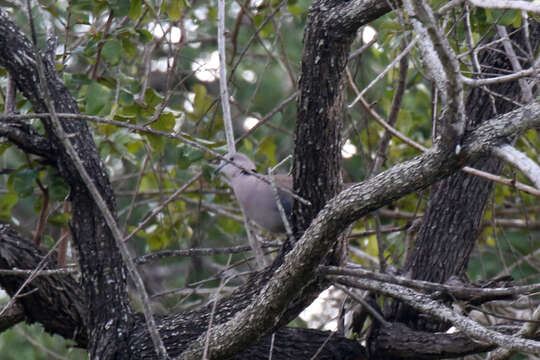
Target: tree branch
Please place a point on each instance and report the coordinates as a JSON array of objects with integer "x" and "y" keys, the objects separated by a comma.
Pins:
[
  {"x": 443, "y": 67},
  {"x": 521, "y": 161},
  {"x": 27, "y": 139}
]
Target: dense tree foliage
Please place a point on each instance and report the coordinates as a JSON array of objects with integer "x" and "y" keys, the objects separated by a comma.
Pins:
[{"x": 394, "y": 97}]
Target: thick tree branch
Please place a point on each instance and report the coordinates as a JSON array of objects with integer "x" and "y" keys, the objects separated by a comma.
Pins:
[
  {"x": 60, "y": 295},
  {"x": 27, "y": 139}
]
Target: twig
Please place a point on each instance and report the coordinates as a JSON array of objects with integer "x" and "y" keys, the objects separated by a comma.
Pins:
[
  {"x": 286, "y": 224},
  {"x": 223, "y": 89},
  {"x": 394, "y": 111},
  {"x": 374, "y": 313},
  {"x": 261, "y": 261},
  {"x": 459, "y": 292},
  {"x": 268, "y": 116},
  {"x": 526, "y": 90},
  {"x": 134, "y": 196},
  {"x": 198, "y": 252},
  {"x": 65, "y": 235},
  {"x": 41, "y": 348},
  {"x": 467, "y": 169},
  {"x": 439, "y": 56},
  {"x": 32, "y": 276},
  {"x": 361, "y": 50},
  {"x": 383, "y": 73},
  {"x": 500, "y": 79},
  {"x": 320, "y": 349},
  {"x": 24, "y": 272},
  {"x": 271, "y": 346},
  {"x": 214, "y": 307},
  {"x": 161, "y": 206}
]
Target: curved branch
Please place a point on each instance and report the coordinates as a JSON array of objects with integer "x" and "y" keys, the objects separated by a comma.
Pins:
[
  {"x": 59, "y": 294},
  {"x": 521, "y": 161},
  {"x": 27, "y": 139}
]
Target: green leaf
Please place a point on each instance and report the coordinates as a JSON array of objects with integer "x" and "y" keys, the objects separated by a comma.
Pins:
[
  {"x": 202, "y": 102},
  {"x": 97, "y": 97},
  {"x": 4, "y": 146},
  {"x": 296, "y": 10},
  {"x": 24, "y": 182},
  {"x": 129, "y": 49},
  {"x": 156, "y": 142},
  {"x": 58, "y": 189},
  {"x": 144, "y": 35},
  {"x": 7, "y": 202},
  {"x": 268, "y": 28},
  {"x": 112, "y": 51},
  {"x": 121, "y": 7},
  {"x": 207, "y": 171},
  {"x": 268, "y": 148},
  {"x": 60, "y": 220},
  {"x": 175, "y": 9},
  {"x": 135, "y": 9},
  {"x": 164, "y": 123},
  {"x": 194, "y": 154},
  {"x": 152, "y": 98}
]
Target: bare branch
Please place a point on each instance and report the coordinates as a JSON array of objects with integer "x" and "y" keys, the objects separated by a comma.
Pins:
[
  {"x": 442, "y": 63},
  {"x": 506, "y": 4},
  {"x": 198, "y": 252},
  {"x": 460, "y": 292},
  {"x": 526, "y": 89},
  {"x": 223, "y": 88},
  {"x": 383, "y": 73},
  {"x": 26, "y": 138},
  {"x": 521, "y": 161},
  {"x": 500, "y": 79}
]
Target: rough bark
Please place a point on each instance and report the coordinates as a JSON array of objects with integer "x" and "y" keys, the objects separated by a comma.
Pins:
[
  {"x": 399, "y": 341},
  {"x": 56, "y": 302}
]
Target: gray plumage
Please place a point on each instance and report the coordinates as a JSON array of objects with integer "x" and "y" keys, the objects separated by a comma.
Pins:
[{"x": 255, "y": 195}]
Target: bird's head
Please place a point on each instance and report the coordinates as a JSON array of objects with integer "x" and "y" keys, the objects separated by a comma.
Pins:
[{"x": 237, "y": 164}]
